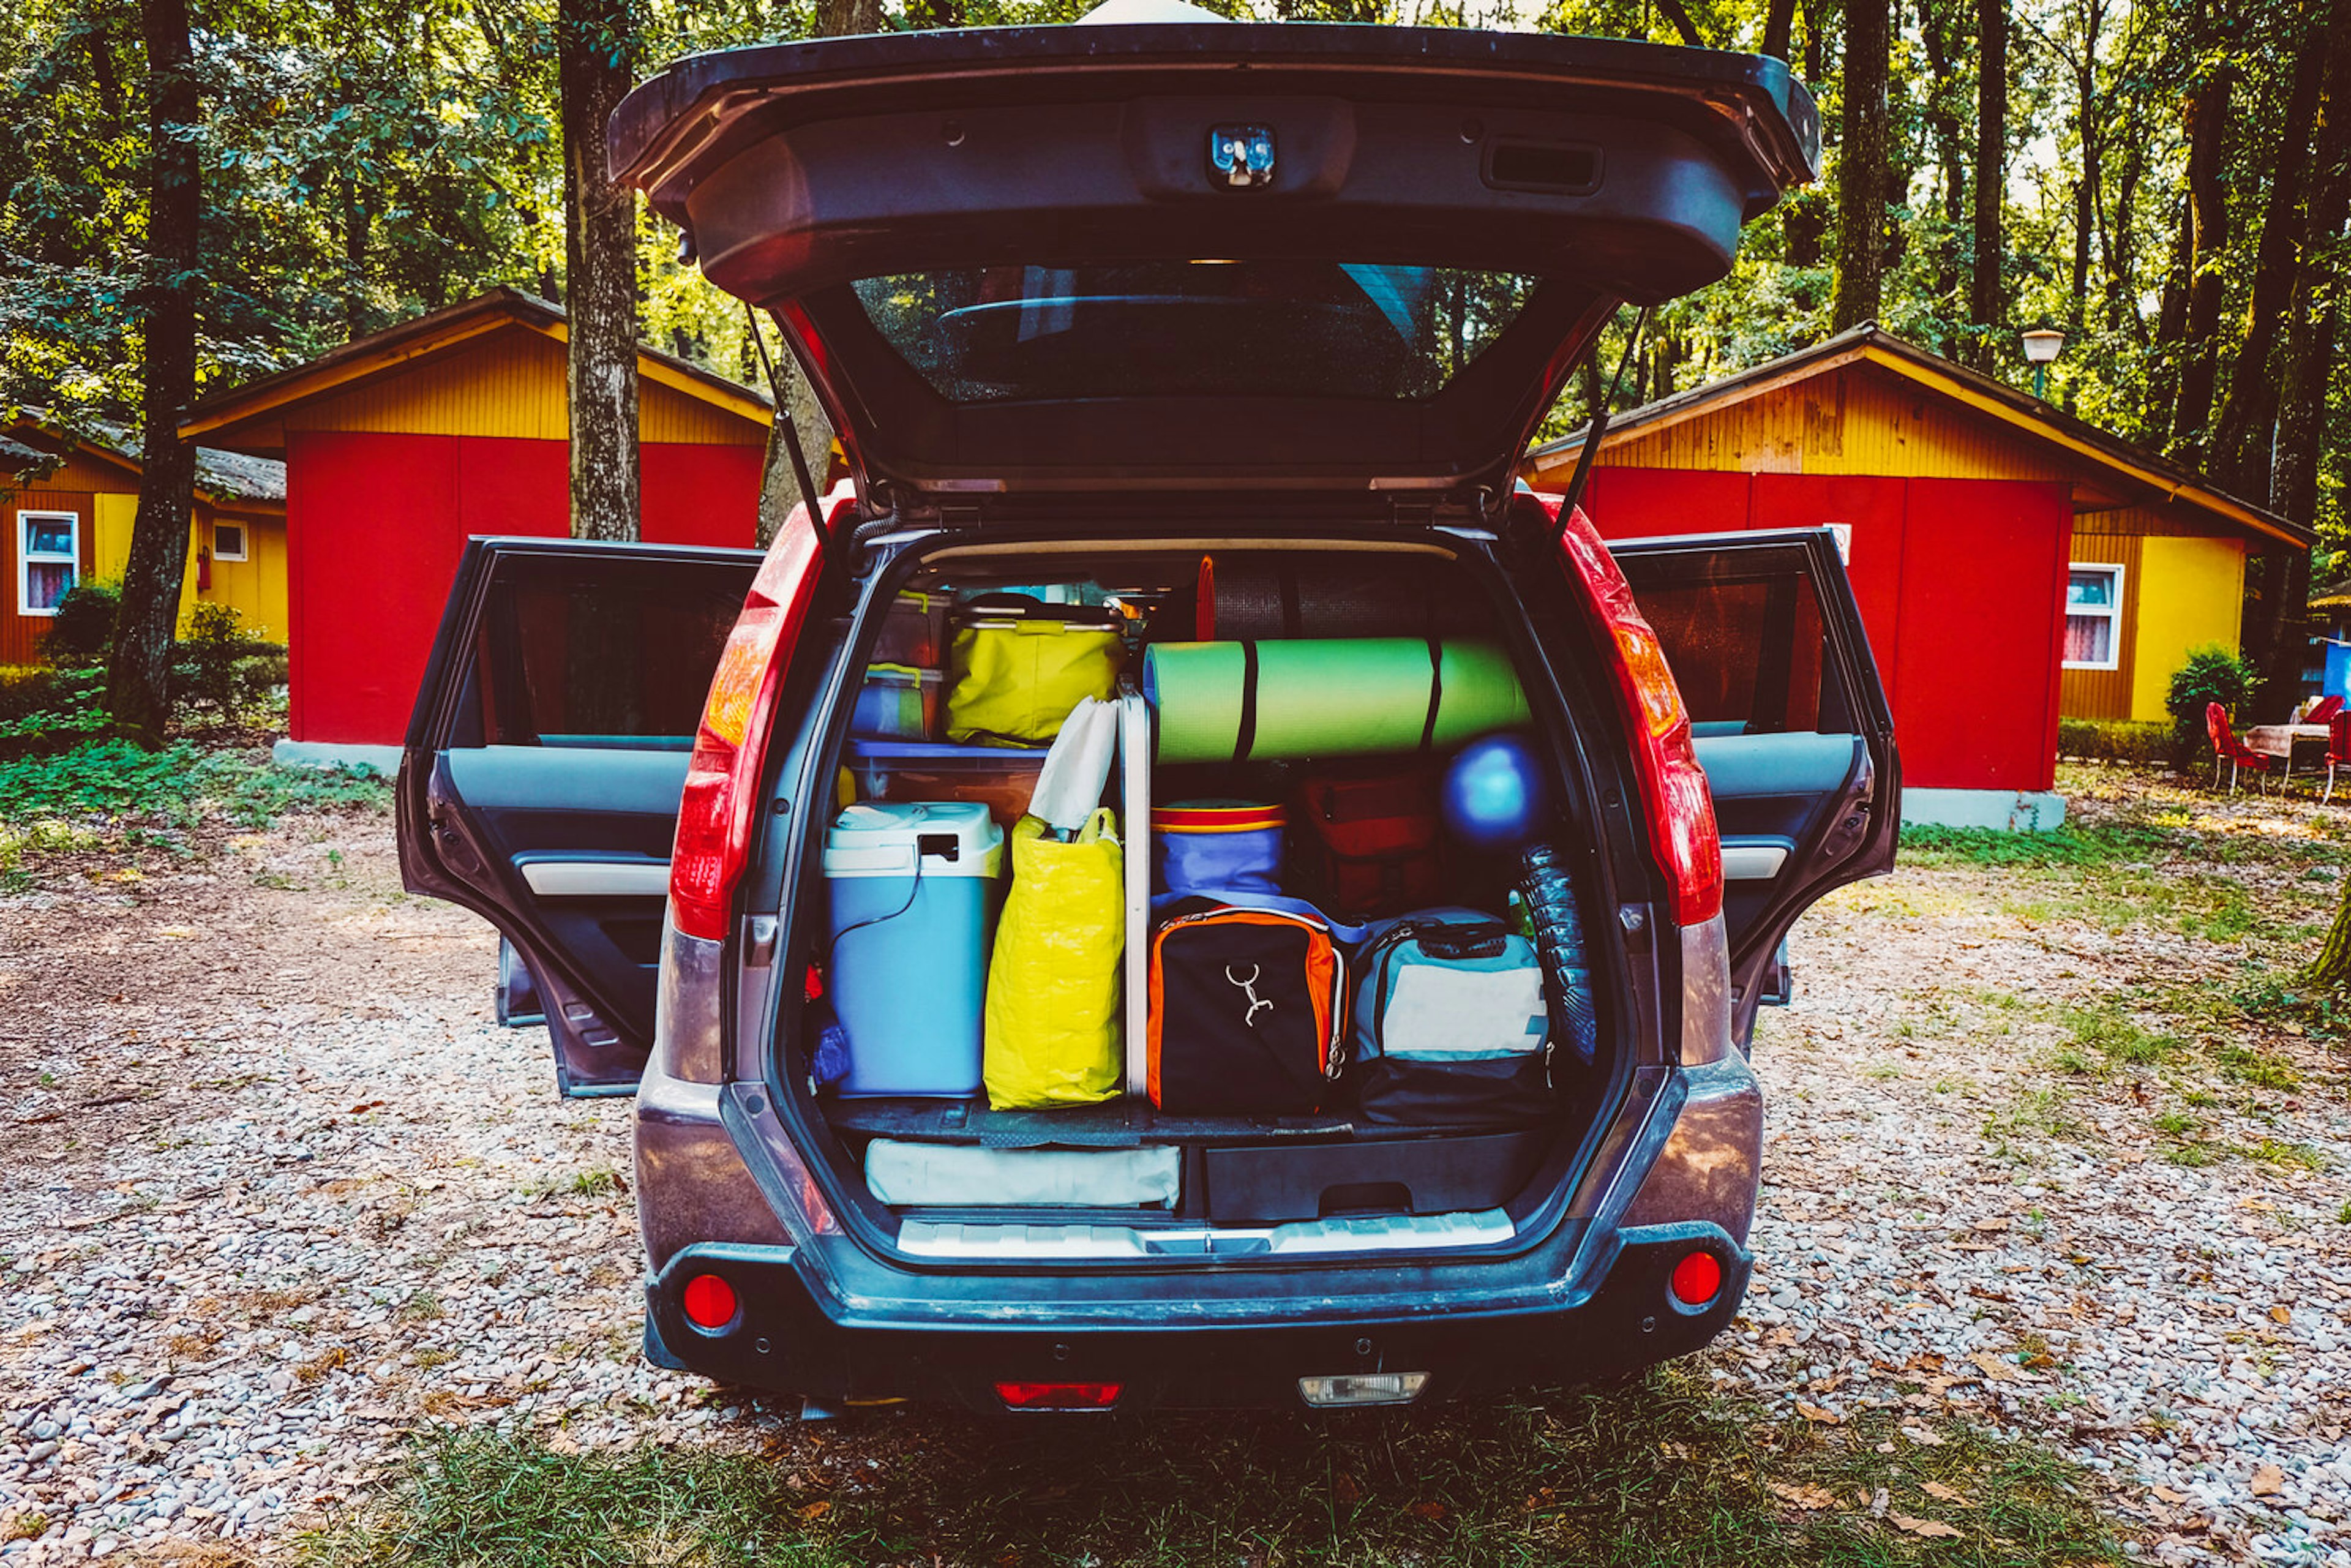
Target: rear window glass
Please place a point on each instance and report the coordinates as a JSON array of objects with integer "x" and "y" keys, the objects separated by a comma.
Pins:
[{"x": 1191, "y": 329}]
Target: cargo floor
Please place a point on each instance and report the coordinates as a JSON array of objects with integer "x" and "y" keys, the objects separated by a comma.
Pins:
[{"x": 1123, "y": 1123}]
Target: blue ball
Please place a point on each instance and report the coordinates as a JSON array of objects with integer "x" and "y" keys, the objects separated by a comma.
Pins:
[{"x": 1494, "y": 793}]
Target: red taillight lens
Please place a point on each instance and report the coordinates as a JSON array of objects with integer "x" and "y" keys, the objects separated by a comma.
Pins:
[
  {"x": 1698, "y": 1279},
  {"x": 709, "y": 1301},
  {"x": 1058, "y": 1395},
  {"x": 1673, "y": 786},
  {"x": 714, "y": 815}
]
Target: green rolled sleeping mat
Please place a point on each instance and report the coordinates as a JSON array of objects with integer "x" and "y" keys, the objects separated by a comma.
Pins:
[{"x": 1332, "y": 696}]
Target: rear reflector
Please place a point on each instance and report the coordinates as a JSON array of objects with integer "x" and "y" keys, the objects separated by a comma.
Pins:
[
  {"x": 709, "y": 1303},
  {"x": 1058, "y": 1395},
  {"x": 1363, "y": 1389},
  {"x": 1698, "y": 1279}
]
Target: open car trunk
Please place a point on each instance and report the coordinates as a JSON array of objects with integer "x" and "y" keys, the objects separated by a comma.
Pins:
[{"x": 907, "y": 971}]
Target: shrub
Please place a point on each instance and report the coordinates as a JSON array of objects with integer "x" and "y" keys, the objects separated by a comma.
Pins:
[
  {"x": 2211, "y": 675},
  {"x": 84, "y": 624},
  {"x": 43, "y": 710},
  {"x": 2144, "y": 742},
  {"x": 218, "y": 666}
]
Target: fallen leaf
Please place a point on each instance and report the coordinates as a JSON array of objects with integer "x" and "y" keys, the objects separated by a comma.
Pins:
[
  {"x": 2173, "y": 1498},
  {"x": 1947, "y": 1494},
  {"x": 1928, "y": 1526},
  {"x": 1815, "y": 1413},
  {"x": 2268, "y": 1481},
  {"x": 1921, "y": 1434},
  {"x": 815, "y": 1512},
  {"x": 1993, "y": 1367},
  {"x": 1989, "y": 1225},
  {"x": 2282, "y": 1313},
  {"x": 1431, "y": 1510},
  {"x": 1807, "y": 1498},
  {"x": 1343, "y": 1487}
]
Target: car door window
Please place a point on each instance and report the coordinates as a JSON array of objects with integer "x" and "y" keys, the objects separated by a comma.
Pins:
[
  {"x": 1749, "y": 644},
  {"x": 599, "y": 655}
]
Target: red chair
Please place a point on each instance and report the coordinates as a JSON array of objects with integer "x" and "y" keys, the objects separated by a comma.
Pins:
[
  {"x": 2338, "y": 746},
  {"x": 2323, "y": 710},
  {"x": 2228, "y": 748}
]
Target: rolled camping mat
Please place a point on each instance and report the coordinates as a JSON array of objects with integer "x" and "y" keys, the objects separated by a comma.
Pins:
[
  {"x": 1350, "y": 696},
  {"x": 1253, "y": 594}
]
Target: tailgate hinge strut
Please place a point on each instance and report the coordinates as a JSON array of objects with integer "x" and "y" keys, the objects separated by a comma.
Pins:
[
  {"x": 788, "y": 429},
  {"x": 1597, "y": 430}
]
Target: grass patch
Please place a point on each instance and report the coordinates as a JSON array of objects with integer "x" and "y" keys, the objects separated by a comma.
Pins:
[
  {"x": 174, "y": 787},
  {"x": 1660, "y": 1472},
  {"x": 2118, "y": 1037},
  {"x": 601, "y": 1181},
  {"x": 2258, "y": 1068}
]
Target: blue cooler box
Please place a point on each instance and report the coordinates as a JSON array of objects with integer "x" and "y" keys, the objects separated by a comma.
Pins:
[{"x": 913, "y": 888}]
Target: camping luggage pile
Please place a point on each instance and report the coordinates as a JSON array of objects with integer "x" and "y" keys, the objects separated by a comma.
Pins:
[{"x": 1217, "y": 875}]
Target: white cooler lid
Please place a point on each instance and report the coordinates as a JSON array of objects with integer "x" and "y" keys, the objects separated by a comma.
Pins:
[{"x": 879, "y": 838}]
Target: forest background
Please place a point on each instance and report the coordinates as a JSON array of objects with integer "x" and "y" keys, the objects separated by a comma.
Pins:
[{"x": 197, "y": 192}]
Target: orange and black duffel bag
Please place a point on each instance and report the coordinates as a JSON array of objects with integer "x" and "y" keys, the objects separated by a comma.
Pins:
[{"x": 1247, "y": 1009}]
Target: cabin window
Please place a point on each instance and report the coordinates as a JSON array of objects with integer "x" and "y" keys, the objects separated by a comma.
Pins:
[
  {"x": 2093, "y": 617},
  {"x": 48, "y": 559},
  {"x": 229, "y": 541}
]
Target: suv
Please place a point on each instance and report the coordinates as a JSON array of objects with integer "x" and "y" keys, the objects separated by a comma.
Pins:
[{"x": 1097, "y": 310}]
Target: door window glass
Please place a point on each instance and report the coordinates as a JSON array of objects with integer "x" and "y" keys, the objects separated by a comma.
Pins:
[
  {"x": 586, "y": 652},
  {"x": 1199, "y": 328},
  {"x": 2094, "y": 607},
  {"x": 1747, "y": 644}
]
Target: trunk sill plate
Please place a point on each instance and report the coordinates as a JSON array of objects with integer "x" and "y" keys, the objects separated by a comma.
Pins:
[{"x": 1310, "y": 1238}]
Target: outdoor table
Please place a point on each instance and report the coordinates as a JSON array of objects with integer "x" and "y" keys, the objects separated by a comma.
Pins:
[{"x": 2280, "y": 739}]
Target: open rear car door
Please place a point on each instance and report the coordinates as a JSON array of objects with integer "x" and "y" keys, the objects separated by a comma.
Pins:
[
  {"x": 540, "y": 777},
  {"x": 1792, "y": 726}
]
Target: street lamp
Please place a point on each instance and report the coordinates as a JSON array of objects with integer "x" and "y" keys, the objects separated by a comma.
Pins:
[{"x": 2041, "y": 346}]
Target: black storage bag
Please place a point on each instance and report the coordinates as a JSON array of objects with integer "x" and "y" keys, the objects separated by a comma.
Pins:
[{"x": 1246, "y": 1009}]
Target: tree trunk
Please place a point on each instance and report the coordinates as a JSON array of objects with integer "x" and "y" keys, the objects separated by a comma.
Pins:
[
  {"x": 1779, "y": 27},
  {"x": 139, "y": 663},
  {"x": 2298, "y": 408},
  {"x": 1686, "y": 29},
  {"x": 1862, "y": 151},
  {"x": 2205, "y": 237},
  {"x": 2331, "y": 970},
  {"x": 1943, "y": 125},
  {"x": 1985, "y": 308},
  {"x": 2244, "y": 435},
  {"x": 594, "y": 43}
]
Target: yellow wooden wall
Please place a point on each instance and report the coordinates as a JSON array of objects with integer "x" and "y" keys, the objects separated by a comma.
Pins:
[
  {"x": 508, "y": 382},
  {"x": 2106, "y": 693},
  {"x": 255, "y": 587},
  {"x": 1858, "y": 419}
]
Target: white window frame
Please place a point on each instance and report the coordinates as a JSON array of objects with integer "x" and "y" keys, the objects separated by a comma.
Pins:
[
  {"x": 2112, "y": 615},
  {"x": 242, "y": 542},
  {"x": 26, "y": 558}
]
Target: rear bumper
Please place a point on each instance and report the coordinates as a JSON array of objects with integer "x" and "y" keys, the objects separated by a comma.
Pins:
[{"x": 782, "y": 1338}]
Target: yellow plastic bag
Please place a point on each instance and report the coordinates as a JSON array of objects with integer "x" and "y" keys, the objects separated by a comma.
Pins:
[
  {"x": 1014, "y": 675},
  {"x": 1053, "y": 996}
]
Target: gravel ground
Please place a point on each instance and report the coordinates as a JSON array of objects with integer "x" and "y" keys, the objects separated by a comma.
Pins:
[{"x": 280, "y": 1192}]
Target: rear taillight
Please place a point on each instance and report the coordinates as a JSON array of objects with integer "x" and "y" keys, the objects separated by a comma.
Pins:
[
  {"x": 1058, "y": 1395},
  {"x": 1673, "y": 786},
  {"x": 722, "y": 779}
]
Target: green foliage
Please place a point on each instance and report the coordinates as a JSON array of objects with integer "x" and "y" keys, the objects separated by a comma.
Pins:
[
  {"x": 1923, "y": 844},
  {"x": 2139, "y": 742},
  {"x": 43, "y": 709},
  {"x": 84, "y": 624},
  {"x": 220, "y": 669},
  {"x": 2211, "y": 675},
  {"x": 174, "y": 788}
]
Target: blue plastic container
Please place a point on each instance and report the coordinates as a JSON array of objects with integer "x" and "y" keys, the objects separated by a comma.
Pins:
[{"x": 913, "y": 889}]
